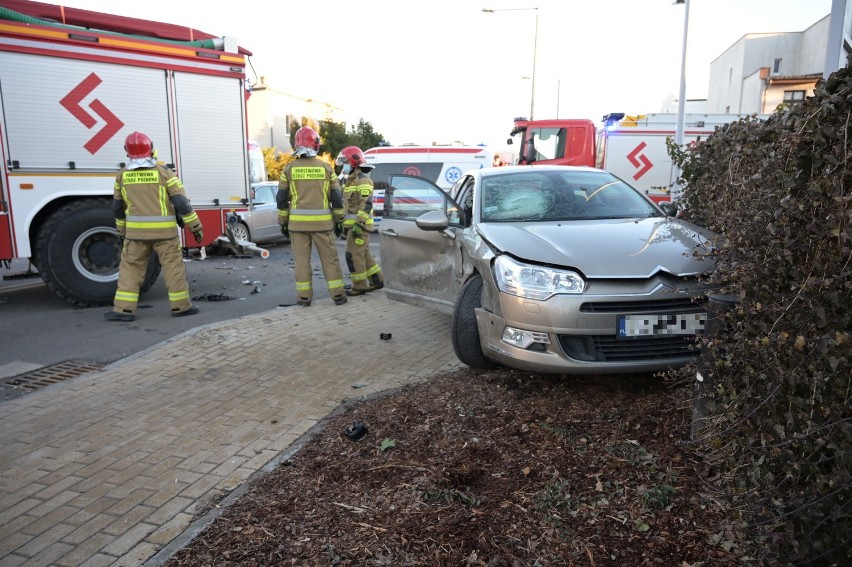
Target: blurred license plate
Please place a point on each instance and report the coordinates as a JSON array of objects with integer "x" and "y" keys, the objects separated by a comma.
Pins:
[{"x": 632, "y": 326}]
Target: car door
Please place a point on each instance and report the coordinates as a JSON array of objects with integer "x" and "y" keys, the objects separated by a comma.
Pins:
[
  {"x": 421, "y": 267},
  {"x": 264, "y": 213}
]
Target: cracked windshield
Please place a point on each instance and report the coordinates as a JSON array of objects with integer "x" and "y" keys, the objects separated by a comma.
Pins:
[{"x": 555, "y": 196}]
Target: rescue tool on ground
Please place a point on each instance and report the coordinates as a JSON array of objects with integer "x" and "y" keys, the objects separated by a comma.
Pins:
[{"x": 238, "y": 246}]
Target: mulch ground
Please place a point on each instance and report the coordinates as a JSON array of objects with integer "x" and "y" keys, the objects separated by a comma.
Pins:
[{"x": 485, "y": 468}]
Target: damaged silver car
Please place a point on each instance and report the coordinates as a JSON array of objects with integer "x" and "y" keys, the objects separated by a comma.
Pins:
[{"x": 549, "y": 269}]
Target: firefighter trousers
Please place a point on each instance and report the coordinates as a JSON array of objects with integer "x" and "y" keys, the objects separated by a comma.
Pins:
[
  {"x": 363, "y": 268},
  {"x": 134, "y": 265},
  {"x": 301, "y": 244}
]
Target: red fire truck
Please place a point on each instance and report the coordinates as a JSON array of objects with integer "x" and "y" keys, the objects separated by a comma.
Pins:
[
  {"x": 75, "y": 83},
  {"x": 631, "y": 147}
]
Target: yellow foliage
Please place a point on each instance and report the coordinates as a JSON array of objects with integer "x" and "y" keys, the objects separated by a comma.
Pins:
[
  {"x": 275, "y": 162},
  {"x": 326, "y": 157}
]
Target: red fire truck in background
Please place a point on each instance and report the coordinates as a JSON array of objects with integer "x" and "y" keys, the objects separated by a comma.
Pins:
[
  {"x": 631, "y": 147},
  {"x": 75, "y": 83}
]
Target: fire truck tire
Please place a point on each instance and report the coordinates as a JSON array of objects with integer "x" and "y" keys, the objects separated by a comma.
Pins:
[
  {"x": 78, "y": 252},
  {"x": 465, "y": 333}
]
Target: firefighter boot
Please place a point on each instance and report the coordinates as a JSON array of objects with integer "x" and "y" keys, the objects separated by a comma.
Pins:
[
  {"x": 340, "y": 299},
  {"x": 187, "y": 312},
  {"x": 125, "y": 316},
  {"x": 376, "y": 282},
  {"x": 357, "y": 291},
  {"x": 303, "y": 302}
]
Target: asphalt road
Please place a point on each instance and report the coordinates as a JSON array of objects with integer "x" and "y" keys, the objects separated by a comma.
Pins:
[{"x": 39, "y": 329}]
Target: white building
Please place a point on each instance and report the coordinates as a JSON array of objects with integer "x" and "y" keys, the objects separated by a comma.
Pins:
[
  {"x": 762, "y": 70},
  {"x": 839, "y": 36},
  {"x": 693, "y": 105},
  {"x": 274, "y": 113}
]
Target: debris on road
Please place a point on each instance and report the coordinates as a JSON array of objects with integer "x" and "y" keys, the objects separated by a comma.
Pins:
[{"x": 212, "y": 297}]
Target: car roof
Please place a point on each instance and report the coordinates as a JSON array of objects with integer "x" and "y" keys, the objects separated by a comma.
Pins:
[{"x": 487, "y": 171}]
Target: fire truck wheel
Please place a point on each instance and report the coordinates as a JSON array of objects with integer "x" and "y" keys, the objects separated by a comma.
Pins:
[
  {"x": 465, "y": 333},
  {"x": 78, "y": 253}
]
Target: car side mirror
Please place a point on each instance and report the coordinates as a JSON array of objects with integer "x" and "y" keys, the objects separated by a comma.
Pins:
[
  {"x": 669, "y": 208},
  {"x": 432, "y": 221}
]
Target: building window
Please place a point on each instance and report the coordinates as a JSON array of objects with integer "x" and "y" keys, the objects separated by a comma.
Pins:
[
  {"x": 727, "y": 110},
  {"x": 776, "y": 67},
  {"x": 730, "y": 75},
  {"x": 794, "y": 97}
]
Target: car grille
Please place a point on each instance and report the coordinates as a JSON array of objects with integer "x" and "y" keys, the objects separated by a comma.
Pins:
[
  {"x": 645, "y": 306},
  {"x": 609, "y": 348},
  {"x": 605, "y": 348}
]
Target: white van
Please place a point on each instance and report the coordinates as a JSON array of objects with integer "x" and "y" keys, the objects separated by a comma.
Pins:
[{"x": 442, "y": 165}]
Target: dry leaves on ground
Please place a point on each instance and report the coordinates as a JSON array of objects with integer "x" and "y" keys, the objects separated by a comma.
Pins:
[{"x": 484, "y": 468}]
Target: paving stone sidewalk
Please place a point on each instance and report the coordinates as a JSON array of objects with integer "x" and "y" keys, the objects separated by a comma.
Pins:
[{"x": 112, "y": 467}]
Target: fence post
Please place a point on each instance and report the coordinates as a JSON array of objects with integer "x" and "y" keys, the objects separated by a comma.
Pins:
[{"x": 717, "y": 306}]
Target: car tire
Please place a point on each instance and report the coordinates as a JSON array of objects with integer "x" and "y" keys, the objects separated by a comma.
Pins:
[
  {"x": 465, "y": 333},
  {"x": 241, "y": 231}
]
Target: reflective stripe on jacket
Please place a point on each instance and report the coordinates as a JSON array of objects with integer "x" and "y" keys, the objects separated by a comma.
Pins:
[
  {"x": 358, "y": 195},
  {"x": 309, "y": 196},
  {"x": 146, "y": 196}
]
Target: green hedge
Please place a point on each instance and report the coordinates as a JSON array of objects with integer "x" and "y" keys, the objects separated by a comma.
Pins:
[{"x": 778, "y": 441}]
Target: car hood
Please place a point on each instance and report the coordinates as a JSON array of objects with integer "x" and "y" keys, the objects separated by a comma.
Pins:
[{"x": 610, "y": 248}]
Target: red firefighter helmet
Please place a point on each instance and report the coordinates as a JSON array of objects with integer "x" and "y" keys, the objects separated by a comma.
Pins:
[
  {"x": 138, "y": 145},
  {"x": 353, "y": 156},
  {"x": 307, "y": 138}
]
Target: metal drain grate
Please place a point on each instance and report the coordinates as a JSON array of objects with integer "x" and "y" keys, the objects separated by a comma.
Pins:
[{"x": 48, "y": 375}]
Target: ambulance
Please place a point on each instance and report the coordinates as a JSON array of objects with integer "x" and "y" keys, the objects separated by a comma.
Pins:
[{"x": 443, "y": 165}]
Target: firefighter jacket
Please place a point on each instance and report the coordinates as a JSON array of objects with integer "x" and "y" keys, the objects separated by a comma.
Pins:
[
  {"x": 358, "y": 197},
  {"x": 309, "y": 198},
  {"x": 147, "y": 202}
]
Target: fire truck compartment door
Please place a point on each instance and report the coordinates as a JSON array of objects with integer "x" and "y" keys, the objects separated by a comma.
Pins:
[
  {"x": 61, "y": 111},
  {"x": 213, "y": 144},
  {"x": 640, "y": 160}
]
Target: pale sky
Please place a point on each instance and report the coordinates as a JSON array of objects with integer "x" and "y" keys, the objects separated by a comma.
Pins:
[{"x": 444, "y": 71}]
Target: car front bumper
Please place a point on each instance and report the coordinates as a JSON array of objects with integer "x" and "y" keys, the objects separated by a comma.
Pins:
[{"x": 579, "y": 335}]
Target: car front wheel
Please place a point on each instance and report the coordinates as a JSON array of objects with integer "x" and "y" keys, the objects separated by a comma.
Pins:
[
  {"x": 241, "y": 231},
  {"x": 465, "y": 333}
]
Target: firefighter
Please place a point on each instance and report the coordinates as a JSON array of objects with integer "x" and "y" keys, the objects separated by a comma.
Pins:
[
  {"x": 310, "y": 212},
  {"x": 358, "y": 222},
  {"x": 149, "y": 202}
]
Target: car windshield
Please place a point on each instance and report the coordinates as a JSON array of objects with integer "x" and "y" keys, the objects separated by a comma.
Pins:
[{"x": 559, "y": 195}]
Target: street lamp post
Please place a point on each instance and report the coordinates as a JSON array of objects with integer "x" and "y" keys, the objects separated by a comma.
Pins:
[
  {"x": 681, "y": 98},
  {"x": 535, "y": 47},
  {"x": 558, "y": 85}
]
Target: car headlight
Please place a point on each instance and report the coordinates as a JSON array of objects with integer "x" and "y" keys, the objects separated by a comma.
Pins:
[{"x": 535, "y": 282}]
